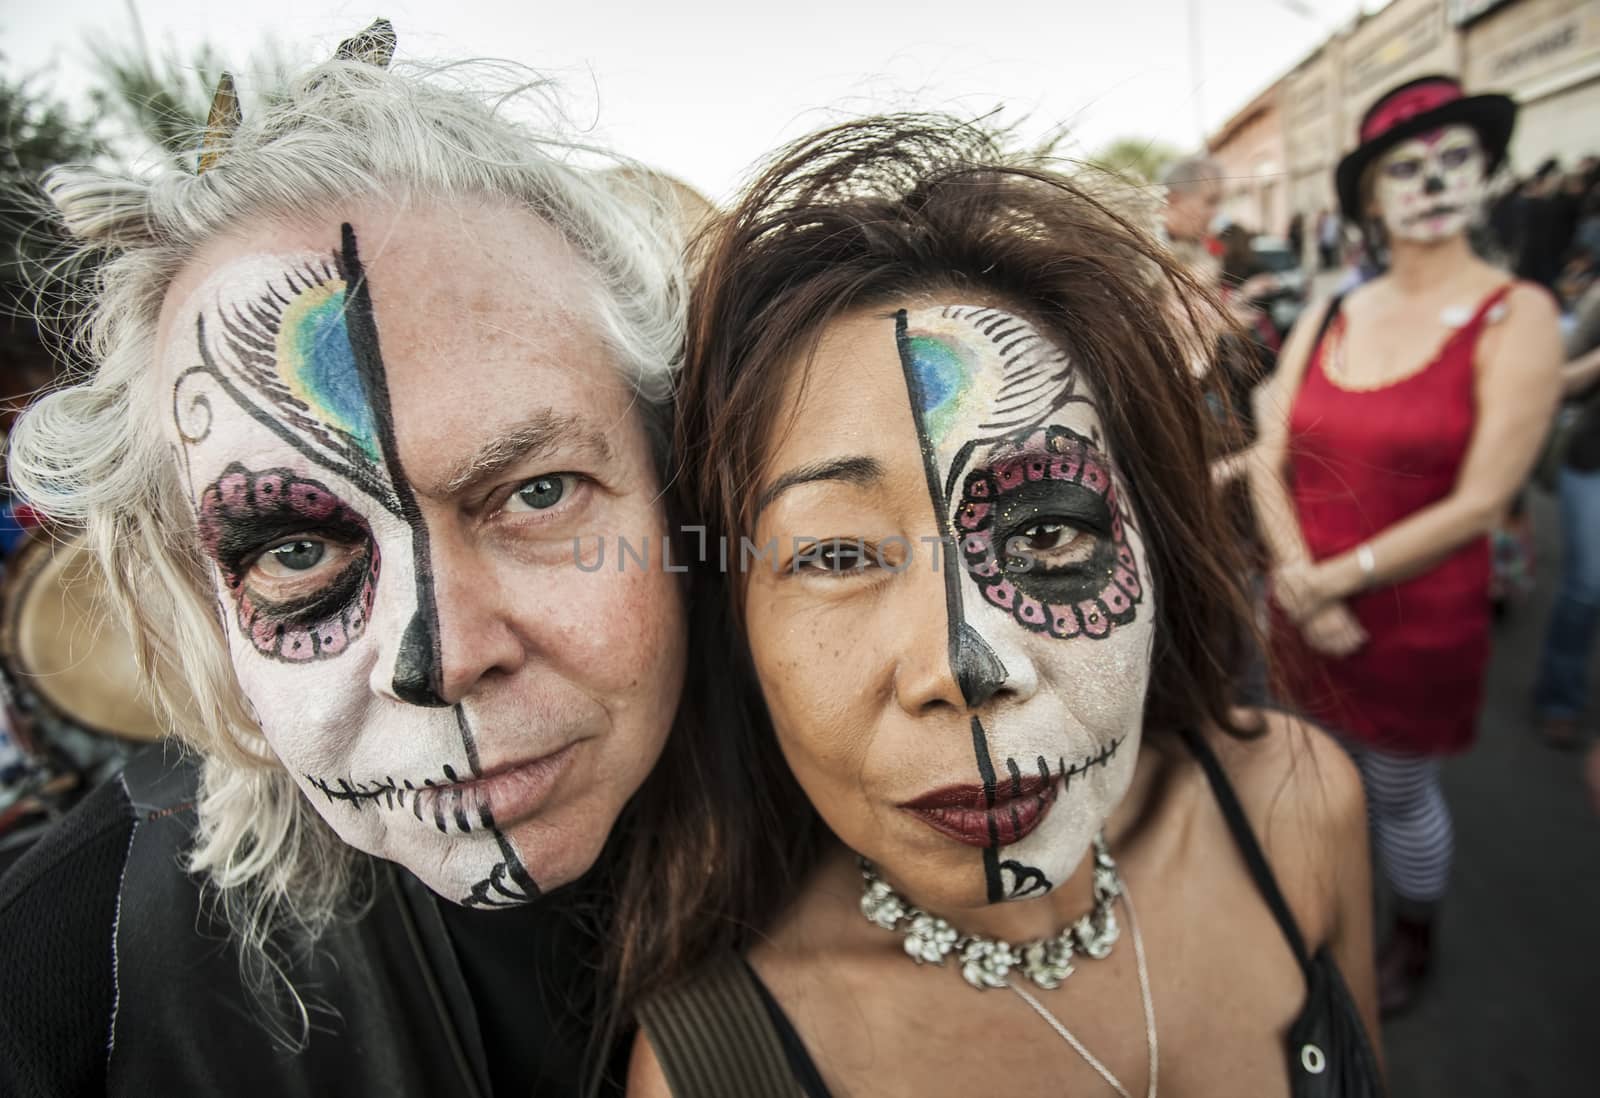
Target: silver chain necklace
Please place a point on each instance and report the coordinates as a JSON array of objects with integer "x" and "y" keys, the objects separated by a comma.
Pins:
[{"x": 987, "y": 962}]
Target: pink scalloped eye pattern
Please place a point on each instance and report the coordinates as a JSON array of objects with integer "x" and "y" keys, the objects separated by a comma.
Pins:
[
  {"x": 1052, "y": 453},
  {"x": 242, "y": 495}
]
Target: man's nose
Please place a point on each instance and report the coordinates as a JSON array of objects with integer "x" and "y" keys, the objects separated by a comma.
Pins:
[
  {"x": 1433, "y": 185},
  {"x": 460, "y": 632}
]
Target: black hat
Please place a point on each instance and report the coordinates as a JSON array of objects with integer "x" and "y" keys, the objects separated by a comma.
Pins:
[{"x": 1418, "y": 106}]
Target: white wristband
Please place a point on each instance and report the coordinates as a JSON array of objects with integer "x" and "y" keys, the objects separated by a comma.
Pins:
[{"x": 1366, "y": 562}]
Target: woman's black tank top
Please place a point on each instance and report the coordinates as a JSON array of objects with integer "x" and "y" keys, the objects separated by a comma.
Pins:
[{"x": 1328, "y": 1050}]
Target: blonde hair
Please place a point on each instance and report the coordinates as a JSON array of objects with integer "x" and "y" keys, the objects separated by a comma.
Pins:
[{"x": 95, "y": 455}]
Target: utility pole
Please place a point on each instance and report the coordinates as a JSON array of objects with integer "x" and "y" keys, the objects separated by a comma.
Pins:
[{"x": 1197, "y": 73}]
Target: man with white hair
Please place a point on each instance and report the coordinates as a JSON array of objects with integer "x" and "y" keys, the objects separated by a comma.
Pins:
[
  {"x": 1194, "y": 196},
  {"x": 362, "y": 384}
]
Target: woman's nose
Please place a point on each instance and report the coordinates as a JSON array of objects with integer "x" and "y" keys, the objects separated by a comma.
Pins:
[{"x": 979, "y": 672}]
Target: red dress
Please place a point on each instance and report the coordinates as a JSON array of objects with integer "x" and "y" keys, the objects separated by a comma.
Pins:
[{"x": 1360, "y": 461}]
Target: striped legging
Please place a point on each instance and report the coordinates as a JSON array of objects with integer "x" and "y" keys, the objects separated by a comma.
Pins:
[{"x": 1410, "y": 822}]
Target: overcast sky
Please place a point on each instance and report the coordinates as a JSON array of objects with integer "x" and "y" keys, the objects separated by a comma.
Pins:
[{"x": 702, "y": 88}]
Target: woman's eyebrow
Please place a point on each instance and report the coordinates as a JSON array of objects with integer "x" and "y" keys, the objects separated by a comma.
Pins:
[{"x": 858, "y": 470}]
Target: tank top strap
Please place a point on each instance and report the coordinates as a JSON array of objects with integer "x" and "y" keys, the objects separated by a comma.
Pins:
[
  {"x": 1485, "y": 312},
  {"x": 1244, "y": 837},
  {"x": 1328, "y": 318}
]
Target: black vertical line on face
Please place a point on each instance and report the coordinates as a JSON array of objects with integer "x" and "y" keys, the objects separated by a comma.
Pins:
[
  {"x": 978, "y": 671},
  {"x": 467, "y": 739},
  {"x": 991, "y": 853},
  {"x": 508, "y": 853},
  {"x": 941, "y": 511},
  {"x": 513, "y": 863},
  {"x": 955, "y": 619},
  {"x": 416, "y": 677}
]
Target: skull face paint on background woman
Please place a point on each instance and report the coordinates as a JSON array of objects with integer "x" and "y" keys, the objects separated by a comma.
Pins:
[
  {"x": 965, "y": 719},
  {"x": 1430, "y": 187},
  {"x": 392, "y": 431}
]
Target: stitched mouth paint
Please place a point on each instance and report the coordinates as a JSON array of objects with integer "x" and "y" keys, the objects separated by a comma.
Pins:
[
  {"x": 992, "y": 817},
  {"x": 503, "y": 796}
]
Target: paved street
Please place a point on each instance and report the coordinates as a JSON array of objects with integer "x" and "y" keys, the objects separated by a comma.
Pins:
[{"x": 1514, "y": 1009}]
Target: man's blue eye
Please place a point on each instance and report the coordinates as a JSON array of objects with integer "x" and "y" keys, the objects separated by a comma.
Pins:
[
  {"x": 298, "y": 556},
  {"x": 543, "y": 492}
]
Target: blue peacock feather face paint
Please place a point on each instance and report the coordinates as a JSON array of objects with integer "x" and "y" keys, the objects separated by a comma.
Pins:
[
  {"x": 316, "y": 362},
  {"x": 942, "y": 378}
]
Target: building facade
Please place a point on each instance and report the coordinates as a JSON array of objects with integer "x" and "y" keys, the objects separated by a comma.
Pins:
[
  {"x": 1543, "y": 53},
  {"x": 1251, "y": 154}
]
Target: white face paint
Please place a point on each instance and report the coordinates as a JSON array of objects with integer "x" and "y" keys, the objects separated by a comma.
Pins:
[
  {"x": 1430, "y": 187},
  {"x": 391, "y": 531},
  {"x": 1012, "y": 735}
]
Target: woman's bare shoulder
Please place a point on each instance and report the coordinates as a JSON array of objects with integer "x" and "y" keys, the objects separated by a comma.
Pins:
[
  {"x": 645, "y": 1078},
  {"x": 1289, "y": 768},
  {"x": 1302, "y": 794}
]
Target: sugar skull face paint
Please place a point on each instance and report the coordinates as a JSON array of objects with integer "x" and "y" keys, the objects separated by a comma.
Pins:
[
  {"x": 1430, "y": 187},
  {"x": 969, "y": 718},
  {"x": 389, "y": 458}
]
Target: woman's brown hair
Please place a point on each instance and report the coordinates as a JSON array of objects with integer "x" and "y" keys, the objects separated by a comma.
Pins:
[{"x": 867, "y": 214}]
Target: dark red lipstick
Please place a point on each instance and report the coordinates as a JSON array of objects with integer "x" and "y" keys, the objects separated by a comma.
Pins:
[{"x": 977, "y": 816}]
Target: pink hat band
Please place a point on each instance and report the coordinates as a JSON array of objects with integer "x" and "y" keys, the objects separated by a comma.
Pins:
[{"x": 1406, "y": 105}]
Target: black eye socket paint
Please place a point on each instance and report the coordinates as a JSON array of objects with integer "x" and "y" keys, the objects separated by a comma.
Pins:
[
  {"x": 1053, "y": 470},
  {"x": 242, "y": 512}
]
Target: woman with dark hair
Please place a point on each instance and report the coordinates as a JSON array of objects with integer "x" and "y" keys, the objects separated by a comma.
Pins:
[
  {"x": 1401, "y": 422},
  {"x": 938, "y": 410}
]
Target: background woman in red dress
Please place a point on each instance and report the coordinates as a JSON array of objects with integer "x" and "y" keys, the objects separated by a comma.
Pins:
[{"x": 1400, "y": 423}]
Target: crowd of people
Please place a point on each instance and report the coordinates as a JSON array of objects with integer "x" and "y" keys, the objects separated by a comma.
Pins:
[{"x": 607, "y": 645}]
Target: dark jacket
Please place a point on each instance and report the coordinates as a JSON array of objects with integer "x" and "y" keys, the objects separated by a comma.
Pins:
[{"x": 120, "y": 979}]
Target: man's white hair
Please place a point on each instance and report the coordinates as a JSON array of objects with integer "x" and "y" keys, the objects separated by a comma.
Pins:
[
  {"x": 1184, "y": 175},
  {"x": 96, "y": 454}
]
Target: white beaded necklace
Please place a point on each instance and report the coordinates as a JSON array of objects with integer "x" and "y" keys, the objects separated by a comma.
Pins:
[{"x": 987, "y": 962}]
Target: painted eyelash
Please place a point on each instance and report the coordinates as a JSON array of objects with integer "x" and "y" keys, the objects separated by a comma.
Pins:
[
  {"x": 1032, "y": 369},
  {"x": 241, "y": 353}
]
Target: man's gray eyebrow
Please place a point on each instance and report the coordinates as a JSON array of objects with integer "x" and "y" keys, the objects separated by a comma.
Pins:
[
  {"x": 539, "y": 434},
  {"x": 858, "y": 470}
]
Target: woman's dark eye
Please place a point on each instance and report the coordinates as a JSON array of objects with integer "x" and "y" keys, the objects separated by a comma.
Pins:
[
  {"x": 292, "y": 558},
  {"x": 1402, "y": 169},
  {"x": 542, "y": 493},
  {"x": 1454, "y": 158},
  {"x": 837, "y": 557},
  {"x": 1048, "y": 545}
]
